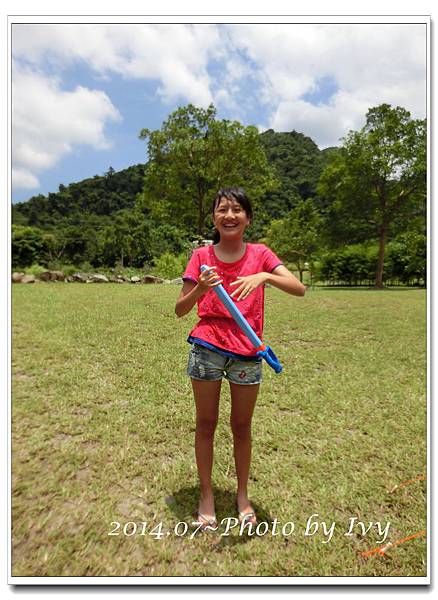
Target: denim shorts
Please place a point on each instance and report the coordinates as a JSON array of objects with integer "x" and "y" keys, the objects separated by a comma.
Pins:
[{"x": 207, "y": 365}]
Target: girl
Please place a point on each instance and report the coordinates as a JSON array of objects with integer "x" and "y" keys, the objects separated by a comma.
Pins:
[{"x": 219, "y": 347}]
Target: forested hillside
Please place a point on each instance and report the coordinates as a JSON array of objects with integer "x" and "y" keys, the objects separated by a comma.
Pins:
[
  {"x": 87, "y": 219},
  {"x": 73, "y": 203},
  {"x": 347, "y": 214}
]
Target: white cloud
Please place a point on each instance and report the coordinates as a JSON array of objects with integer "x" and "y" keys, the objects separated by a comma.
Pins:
[
  {"x": 21, "y": 178},
  {"x": 175, "y": 55},
  {"x": 48, "y": 121},
  {"x": 223, "y": 97},
  {"x": 241, "y": 68},
  {"x": 371, "y": 64}
]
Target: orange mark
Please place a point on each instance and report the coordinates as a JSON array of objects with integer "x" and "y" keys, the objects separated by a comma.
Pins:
[
  {"x": 382, "y": 549},
  {"x": 408, "y": 482},
  {"x": 262, "y": 347}
]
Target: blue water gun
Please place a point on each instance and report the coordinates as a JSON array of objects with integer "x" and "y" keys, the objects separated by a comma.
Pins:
[{"x": 262, "y": 350}]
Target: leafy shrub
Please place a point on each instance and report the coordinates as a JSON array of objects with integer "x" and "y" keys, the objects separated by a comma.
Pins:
[
  {"x": 351, "y": 264},
  {"x": 166, "y": 239},
  {"x": 407, "y": 257},
  {"x": 35, "y": 269},
  {"x": 86, "y": 267},
  {"x": 68, "y": 269},
  {"x": 169, "y": 266},
  {"x": 27, "y": 246},
  {"x": 405, "y": 261}
]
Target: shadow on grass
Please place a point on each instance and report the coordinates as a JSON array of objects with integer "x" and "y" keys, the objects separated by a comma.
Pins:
[{"x": 183, "y": 503}]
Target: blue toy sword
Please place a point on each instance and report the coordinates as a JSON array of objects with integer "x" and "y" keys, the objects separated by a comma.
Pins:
[{"x": 262, "y": 350}]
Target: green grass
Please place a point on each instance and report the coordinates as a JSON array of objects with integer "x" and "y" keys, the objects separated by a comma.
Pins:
[{"x": 103, "y": 431}]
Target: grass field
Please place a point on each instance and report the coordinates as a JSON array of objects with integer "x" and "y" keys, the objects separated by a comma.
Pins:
[{"x": 103, "y": 432}]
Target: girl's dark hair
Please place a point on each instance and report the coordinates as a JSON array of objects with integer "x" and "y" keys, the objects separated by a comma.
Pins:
[{"x": 231, "y": 193}]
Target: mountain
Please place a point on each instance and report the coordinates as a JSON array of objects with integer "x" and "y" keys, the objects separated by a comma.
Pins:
[{"x": 98, "y": 195}]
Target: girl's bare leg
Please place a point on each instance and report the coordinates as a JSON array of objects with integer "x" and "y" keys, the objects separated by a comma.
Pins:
[
  {"x": 206, "y": 395},
  {"x": 243, "y": 399}
]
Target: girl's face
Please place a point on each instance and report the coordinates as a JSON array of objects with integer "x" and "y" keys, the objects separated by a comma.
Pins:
[{"x": 230, "y": 219}]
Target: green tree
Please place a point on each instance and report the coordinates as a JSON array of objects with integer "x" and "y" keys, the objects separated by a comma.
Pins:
[
  {"x": 407, "y": 255},
  {"x": 352, "y": 264},
  {"x": 127, "y": 239},
  {"x": 27, "y": 246},
  {"x": 170, "y": 266},
  {"x": 54, "y": 246},
  {"x": 296, "y": 237},
  {"x": 168, "y": 239},
  {"x": 378, "y": 175},
  {"x": 192, "y": 156}
]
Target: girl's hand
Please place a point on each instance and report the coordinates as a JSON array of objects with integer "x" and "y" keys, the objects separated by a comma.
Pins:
[
  {"x": 208, "y": 279},
  {"x": 248, "y": 284}
]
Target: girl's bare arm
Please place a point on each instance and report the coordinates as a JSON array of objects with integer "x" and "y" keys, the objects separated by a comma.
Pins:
[
  {"x": 191, "y": 291},
  {"x": 188, "y": 297},
  {"x": 283, "y": 279}
]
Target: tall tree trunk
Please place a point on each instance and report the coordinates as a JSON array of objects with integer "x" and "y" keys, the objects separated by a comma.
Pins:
[{"x": 383, "y": 234}]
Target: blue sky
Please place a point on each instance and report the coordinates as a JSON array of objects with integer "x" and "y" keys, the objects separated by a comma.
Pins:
[
  {"x": 82, "y": 93},
  {"x": 136, "y": 102}
]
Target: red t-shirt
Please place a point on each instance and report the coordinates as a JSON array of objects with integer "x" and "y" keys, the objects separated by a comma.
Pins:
[{"x": 216, "y": 326}]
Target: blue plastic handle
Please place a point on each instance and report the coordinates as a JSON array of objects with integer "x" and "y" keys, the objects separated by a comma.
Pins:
[
  {"x": 271, "y": 359},
  {"x": 268, "y": 353}
]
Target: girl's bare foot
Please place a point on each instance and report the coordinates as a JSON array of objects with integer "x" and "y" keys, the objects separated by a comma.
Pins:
[
  {"x": 245, "y": 510},
  {"x": 206, "y": 511}
]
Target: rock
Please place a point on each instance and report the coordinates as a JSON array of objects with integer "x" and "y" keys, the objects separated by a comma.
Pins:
[
  {"x": 98, "y": 278},
  {"x": 135, "y": 279},
  {"x": 177, "y": 281},
  {"x": 58, "y": 276},
  {"x": 82, "y": 277},
  {"x": 152, "y": 279},
  {"x": 28, "y": 279},
  {"x": 17, "y": 277},
  {"x": 52, "y": 276}
]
